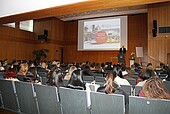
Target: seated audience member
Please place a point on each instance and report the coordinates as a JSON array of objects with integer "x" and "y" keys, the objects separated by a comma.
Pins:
[
  {"x": 154, "y": 88},
  {"x": 23, "y": 70},
  {"x": 55, "y": 77},
  {"x": 2, "y": 69},
  {"x": 92, "y": 66},
  {"x": 43, "y": 67},
  {"x": 10, "y": 73},
  {"x": 32, "y": 75},
  {"x": 120, "y": 81},
  {"x": 76, "y": 81},
  {"x": 68, "y": 75},
  {"x": 86, "y": 71},
  {"x": 144, "y": 75},
  {"x": 149, "y": 66},
  {"x": 98, "y": 68},
  {"x": 111, "y": 87}
]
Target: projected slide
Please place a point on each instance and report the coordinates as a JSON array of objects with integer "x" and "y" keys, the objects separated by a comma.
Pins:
[{"x": 102, "y": 33}]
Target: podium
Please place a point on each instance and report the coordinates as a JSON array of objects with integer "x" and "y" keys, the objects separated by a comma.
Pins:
[{"x": 121, "y": 58}]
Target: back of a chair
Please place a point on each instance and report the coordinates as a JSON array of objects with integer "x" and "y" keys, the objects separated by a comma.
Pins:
[
  {"x": 102, "y": 103},
  {"x": 26, "y": 97},
  {"x": 132, "y": 81},
  {"x": 65, "y": 82},
  {"x": 127, "y": 89},
  {"x": 141, "y": 105},
  {"x": 8, "y": 94},
  {"x": 97, "y": 74},
  {"x": 99, "y": 79},
  {"x": 88, "y": 78},
  {"x": 163, "y": 76},
  {"x": 48, "y": 100},
  {"x": 73, "y": 101},
  {"x": 1, "y": 75},
  {"x": 137, "y": 89},
  {"x": 42, "y": 74},
  {"x": 44, "y": 80},
  {"x": 20, "y": 77},
  {"x": 167, "y": 85}
]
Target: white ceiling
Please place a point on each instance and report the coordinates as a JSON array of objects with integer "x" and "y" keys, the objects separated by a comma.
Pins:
[{"x": 12, "y": 7}]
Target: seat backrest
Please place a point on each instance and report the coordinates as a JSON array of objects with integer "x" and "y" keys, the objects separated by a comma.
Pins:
[
  {"x": 127, "y": 89},
  {"x": 42, "y": 74},
  {"x": 102, "y": 103},
  {"x": 97, "y": 74},
  {"x": 8, "y": 94},
  {"x": 73, "y": 101},
  {"x": 65, "y": 82},
  {"x": 132, "y": 81},
  {"x": 1, "y": 75},
  {"x": 20, "y": 77},
  {"x": 26, "y": 96},
  {"x": 167, "y": 85},
  {"x": 48, "y": 100},
  {"x": 44, "y": 80},
  {"x": 88, "y": 78},
  {"x": 141, "y": 105},
  {"x": 99, "y": 79},
  {"x": 163, "y": 76},
  {"x": 137, "y": 89}
]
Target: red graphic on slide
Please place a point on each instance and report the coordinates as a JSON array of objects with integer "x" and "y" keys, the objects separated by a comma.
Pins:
[{"x": 101, "y": 37}]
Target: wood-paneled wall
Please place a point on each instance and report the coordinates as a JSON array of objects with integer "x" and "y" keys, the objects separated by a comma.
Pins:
[
  {"x": 16, "y": 44},
  {"x": 137, "y": 37},
  {"x": 158, "y": 47},
  {"x": 56, "y": 33}
]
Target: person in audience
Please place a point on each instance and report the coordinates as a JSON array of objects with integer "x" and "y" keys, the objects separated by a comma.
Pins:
[
  {"x": 149, "y": 66},
  {"x": 86, "y": 71},
  {"x": 92, "y": 66},
  {"x": 98, "y": 68},
  {"x": 23, "y": 70},
  {"x": 144, "y": 75},
  {"x": 154, "y": 88},
  {"x": 43, "y": 67},
  {"x": 68, "y": 75},
  {"x": 50, "y": 80},
  {"x": 120, "y": 81},
  {"x": 111, "y": 87},
  {"x": 2, "y": 69},
  {"x": 32, "y": 75},
  {"x": 10, "y": 73},
  {"x": 76, "y": 81}
]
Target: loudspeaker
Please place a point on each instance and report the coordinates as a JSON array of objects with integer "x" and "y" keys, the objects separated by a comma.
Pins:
[
  {"x": 46, "y": 33},
  {"x": 42, "y": 38},
  {"x": 154, "y": 29}
]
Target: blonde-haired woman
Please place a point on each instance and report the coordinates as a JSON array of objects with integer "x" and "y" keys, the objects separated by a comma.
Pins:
[
  {"x": 68, "y": 75},
  {"x": 154, "y": 88},
  {"x": 23, "y": 69}
]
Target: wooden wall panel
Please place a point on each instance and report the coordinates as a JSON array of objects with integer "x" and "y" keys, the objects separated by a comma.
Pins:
[
  {"x": 56, "y": 33},
  {"x": 158, "y": 47},
  {"x": 16, "y": 44},
  {"x": 137, "y": 36}
]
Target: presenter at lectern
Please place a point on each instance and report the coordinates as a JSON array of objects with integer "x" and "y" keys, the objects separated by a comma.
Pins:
[
  {"x": 122, "y": 49},
  {"x": 121, "y": 55}
]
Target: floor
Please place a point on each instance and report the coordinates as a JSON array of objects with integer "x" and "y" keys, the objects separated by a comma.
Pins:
[{"x": 2, "y": 111}]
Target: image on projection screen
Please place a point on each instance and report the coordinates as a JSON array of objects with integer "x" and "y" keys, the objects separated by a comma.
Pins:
[{"x": 102, "y": 33}]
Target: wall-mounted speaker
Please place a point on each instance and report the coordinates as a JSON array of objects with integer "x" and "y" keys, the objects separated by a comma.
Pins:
[
  {"x": 46, "y": 33},
  {"x": 154, "y": 29}
]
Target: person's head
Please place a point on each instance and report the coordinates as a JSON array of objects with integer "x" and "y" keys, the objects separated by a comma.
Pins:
[
  {"x": 72, "y": 68},
  {"x": 76, "y": 80},
  {"x": 109, "y": 82},
  {"x": 147, "y": 73},
  {"x": 149, "y": 65},
  {"x": 154, "y": 88},
  {"x": 43, "y": 64},
  {"x": 23, "y": 69}
]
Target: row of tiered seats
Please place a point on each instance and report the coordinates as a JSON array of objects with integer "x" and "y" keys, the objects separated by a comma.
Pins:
[{"x": 29, "y": 98}]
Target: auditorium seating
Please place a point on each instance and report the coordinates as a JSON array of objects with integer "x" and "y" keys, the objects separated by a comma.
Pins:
[
  {"x": 48, "y": 99},
  {"x": 141, "y": 105},
  {"x": 73, "y": 101},
  {"x": 167, "y": 85},
  {"x": 102, "y": 103},
  {"x": 8, "y": 93},
  {"x": 25, "y": 97},
  {"x": 137, "y": 89}
]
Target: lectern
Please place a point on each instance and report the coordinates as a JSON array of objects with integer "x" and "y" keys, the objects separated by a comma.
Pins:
[{"x": 121, "y": 58}]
